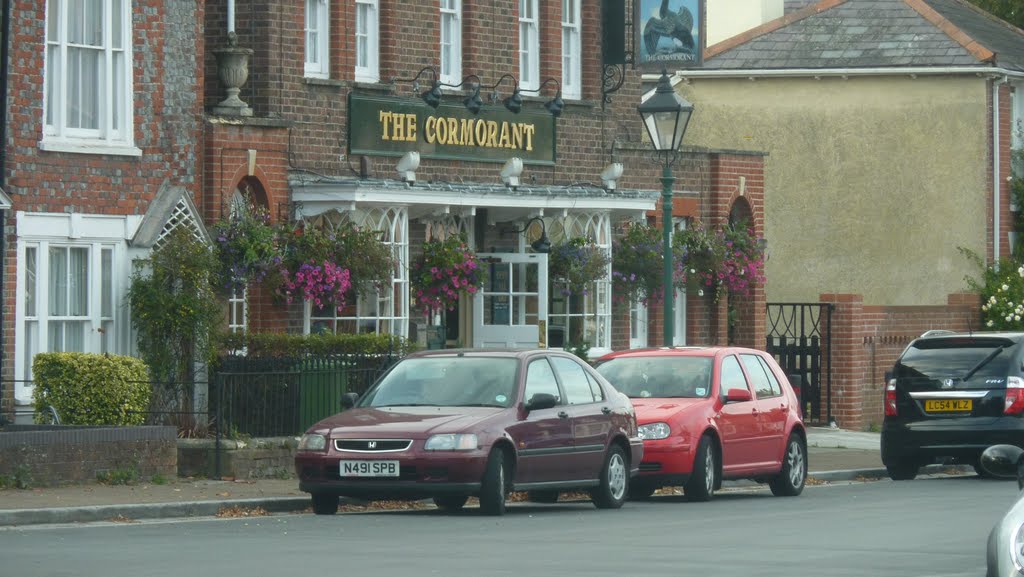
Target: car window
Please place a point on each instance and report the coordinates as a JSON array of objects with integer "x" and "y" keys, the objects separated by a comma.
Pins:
[
  {"x": 446, "y": 381},
  {"x": 540, "y": 379},
  {"x": 659, "y": 376},
  {"x": 595, "y": 387},
  {"x": 574, "y": 381},
  {"x": 758, "y": 377},
  {"x": 732, "y": 375},
  {"x": 968, "y": 363},
  {"x": 773, "y": 381}
]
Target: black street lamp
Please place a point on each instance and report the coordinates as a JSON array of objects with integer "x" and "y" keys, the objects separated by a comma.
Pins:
[{"x": 666, "y": 114}]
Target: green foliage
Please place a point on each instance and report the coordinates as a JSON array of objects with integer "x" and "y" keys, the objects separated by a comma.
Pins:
[
  {"x": 159, "y": 479},
  {"x": 577, "y": 264},
  {"x": 20, "y": 479},
  {"x": 294, "y": 345},
  {"x": 121, "y": 476},
  {"x": 581, "y": 350},
  {"x": 638, "y": 264},
  {"x": 91, "y": 389},
  {"x": 246, "y": 247},
  {"x": 1002, "y": 292},
  {"x": 1011, "y": 11},
  {"x": 446, "y": 270}
]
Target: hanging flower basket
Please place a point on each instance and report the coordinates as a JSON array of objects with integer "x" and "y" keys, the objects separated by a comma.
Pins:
[
  {"x": 246, "y": 247},
  {"x": 577, "y": 264},
  {"x": 638, "y": 265},
  {"x": 445, "y": 271},
  {"x": 727, "y": 259}
]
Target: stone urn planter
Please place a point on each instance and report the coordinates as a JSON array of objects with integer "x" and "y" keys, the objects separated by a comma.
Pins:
[{"x": 233, "y": 70}]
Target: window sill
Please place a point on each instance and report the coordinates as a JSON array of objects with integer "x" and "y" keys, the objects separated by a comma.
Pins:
[
  {"x": 313, "y": 81},
  {"x": 89, "y": 147}
]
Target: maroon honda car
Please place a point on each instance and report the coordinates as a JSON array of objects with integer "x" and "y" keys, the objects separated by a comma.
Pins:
[{"x": 453, "y": 424}]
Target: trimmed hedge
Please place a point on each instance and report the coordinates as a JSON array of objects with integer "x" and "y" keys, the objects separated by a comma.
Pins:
[{"x": 92, "y": 389}]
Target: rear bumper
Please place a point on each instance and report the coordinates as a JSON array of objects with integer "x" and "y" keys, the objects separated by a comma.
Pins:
[{"x": 959, "y": 439}]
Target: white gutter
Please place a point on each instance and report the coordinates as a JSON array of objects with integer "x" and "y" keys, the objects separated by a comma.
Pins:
[
  {"x": 996, "y": 188},
  {"x": 839, "y": 72}
]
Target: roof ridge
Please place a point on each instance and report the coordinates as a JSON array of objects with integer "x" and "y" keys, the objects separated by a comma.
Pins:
[
  {"x": 771, "y": 26},
  {"x": 969, "y": 44}
]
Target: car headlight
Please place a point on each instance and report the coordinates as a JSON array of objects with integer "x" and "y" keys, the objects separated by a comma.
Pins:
[
  {"x": 653, "y": 431},
  {"x": 312, "y": 442},
  {"x": 466, "y": 442}
]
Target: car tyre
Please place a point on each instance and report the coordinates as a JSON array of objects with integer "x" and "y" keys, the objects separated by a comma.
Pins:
[
  {"x": 542, "y": 496},
  {"x": 324, "y": 503},
  {"x": 703, "y": 480},
  {"x": 791, "y": 479},
  {"x": 614, "y": 487},
  {"x": 450, "y": 502},
  {"x": 641, "y": 490},
  {"x": 494, "y": 488},
  {"x": 903, "y": 471}
]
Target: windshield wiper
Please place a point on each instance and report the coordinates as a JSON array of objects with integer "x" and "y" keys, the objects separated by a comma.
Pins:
[{"x": 988, "y": 358}]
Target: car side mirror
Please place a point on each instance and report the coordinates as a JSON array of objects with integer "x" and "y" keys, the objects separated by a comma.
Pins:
[
  {"x": 1004, "y": 462},
  {"x": 738, "y": 396},
  {"x": 541, "y": 401},
  {"x": 349, "y": 400}
]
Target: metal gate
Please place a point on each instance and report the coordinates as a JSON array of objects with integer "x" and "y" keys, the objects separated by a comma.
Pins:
[{"x": 800, "y": 339}]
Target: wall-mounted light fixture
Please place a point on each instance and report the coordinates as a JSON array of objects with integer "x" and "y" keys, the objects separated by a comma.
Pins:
[
  {"x": 542, "y": 244},
  {"x": 611, "y": 174},
  {"x": 472, "y": 83},
  {"x": 407, "y": 166},
  {"x": 511, "y": 172}
]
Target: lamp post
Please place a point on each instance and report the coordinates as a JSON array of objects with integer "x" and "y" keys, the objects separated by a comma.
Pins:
[{"x": 666, "y": 114}]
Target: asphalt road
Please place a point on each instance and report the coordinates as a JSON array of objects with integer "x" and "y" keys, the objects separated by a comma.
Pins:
[{"x": 931, "y": 527}]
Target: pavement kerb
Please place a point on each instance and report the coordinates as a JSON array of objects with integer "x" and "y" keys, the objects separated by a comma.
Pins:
[{"x": 133, "y": 512}]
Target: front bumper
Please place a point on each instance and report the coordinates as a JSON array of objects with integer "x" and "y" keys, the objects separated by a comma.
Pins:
[
  {"x": 960, "y": 439},
  {"x": 667, "y": 462},
  {"x": 420, "y": 476}
]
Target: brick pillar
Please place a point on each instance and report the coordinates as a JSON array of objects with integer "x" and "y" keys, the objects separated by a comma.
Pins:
[{"x": 849, "y": 361}]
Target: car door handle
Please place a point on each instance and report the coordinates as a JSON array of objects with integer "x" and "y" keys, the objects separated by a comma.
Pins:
[
  {"x": 605, "y": 410},
  {"x": 563, "y": 414}
]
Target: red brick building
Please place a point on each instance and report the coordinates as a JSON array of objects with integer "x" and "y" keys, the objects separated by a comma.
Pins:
[{"x": 166, "y": 145}]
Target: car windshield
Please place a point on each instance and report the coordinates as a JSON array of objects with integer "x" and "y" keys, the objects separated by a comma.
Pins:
[
  {"x": 446, "y": 381},
  {"x": 954, "y": 359},
  {"x": 668, "y": 376}
]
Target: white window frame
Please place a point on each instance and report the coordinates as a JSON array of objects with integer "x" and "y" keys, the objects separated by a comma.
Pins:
[
  {"x": 638, "y": 324},
  {"x": 368, "y": 40},
  {"x": 529, "y": 45},
  {"x": 572, "y": 51},
  {"x": 596, "y": 306},
  {"x": 112, "y": 126},
  {"x": 450, "y": 71},
  {"x": 317, "y": 38},
  {"x": 106, "y": 324}
]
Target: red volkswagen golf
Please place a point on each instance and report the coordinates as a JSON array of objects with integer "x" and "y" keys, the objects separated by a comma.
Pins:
[{"x": 709, "y": 414}]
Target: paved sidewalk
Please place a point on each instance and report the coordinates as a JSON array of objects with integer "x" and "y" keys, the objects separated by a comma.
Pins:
[{"x": 833, "y": 455}]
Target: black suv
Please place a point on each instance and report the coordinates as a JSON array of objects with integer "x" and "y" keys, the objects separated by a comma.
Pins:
[{"x": 949, "y": 397}]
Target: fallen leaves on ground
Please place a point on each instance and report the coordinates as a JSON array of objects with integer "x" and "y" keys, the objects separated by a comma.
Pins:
[
  {"x": 231, "y": 512},
  {"x": 121, "y": 519},
  {"x": 383, "y": 506},
  {"x": 811, "y": 481}
]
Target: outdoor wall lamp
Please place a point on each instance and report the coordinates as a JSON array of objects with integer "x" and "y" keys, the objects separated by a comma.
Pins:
[
  {"x": 542, "y": 244},
  {"x": 555, "y": 105},
  {"x": 514, "y": 102}
]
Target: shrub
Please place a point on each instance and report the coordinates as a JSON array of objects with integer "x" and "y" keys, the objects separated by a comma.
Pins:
[
  {"x": 1002, "y": 293},
  {"x": 92, "y": 389}
]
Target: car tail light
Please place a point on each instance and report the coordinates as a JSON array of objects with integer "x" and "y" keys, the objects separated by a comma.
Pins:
[
  {"x": 890, "y": 399},
  {"x": 1014, "y": 403}
]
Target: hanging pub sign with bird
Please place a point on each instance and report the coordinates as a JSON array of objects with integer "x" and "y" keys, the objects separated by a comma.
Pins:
[{"x": 670, "y": 33}]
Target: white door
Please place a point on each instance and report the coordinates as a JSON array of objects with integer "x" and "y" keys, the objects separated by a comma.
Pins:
[{"x": 512, "y": 309}]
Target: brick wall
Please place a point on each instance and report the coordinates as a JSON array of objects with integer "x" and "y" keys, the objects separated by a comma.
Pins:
[
  {"x": 866, "y": 340},
  {"x": 70, "y": 455}
]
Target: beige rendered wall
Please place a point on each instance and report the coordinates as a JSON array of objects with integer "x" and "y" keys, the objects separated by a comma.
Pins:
[
  {"x": 871, "y": 184},
  {"x": 727, "y": 18}
]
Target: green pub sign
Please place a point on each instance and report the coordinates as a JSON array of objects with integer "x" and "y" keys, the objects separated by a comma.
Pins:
[{"x": 391, "y": 126}]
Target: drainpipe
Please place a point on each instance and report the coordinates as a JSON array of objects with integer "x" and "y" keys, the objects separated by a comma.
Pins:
[
  {"x": 996, "y": 184},
  {"x": 3, "y": 171}
]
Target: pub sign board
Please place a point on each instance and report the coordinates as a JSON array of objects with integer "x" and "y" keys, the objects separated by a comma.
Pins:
[
  {"x": 392, "y": 126},
  {"x": 669, "y": 34}
]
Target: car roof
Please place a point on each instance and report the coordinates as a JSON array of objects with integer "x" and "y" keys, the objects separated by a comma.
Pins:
[
  {"x": 486, "y": 352},
  {"x": 698, "y": 351},
  {"x": 935, "y": 335}
]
